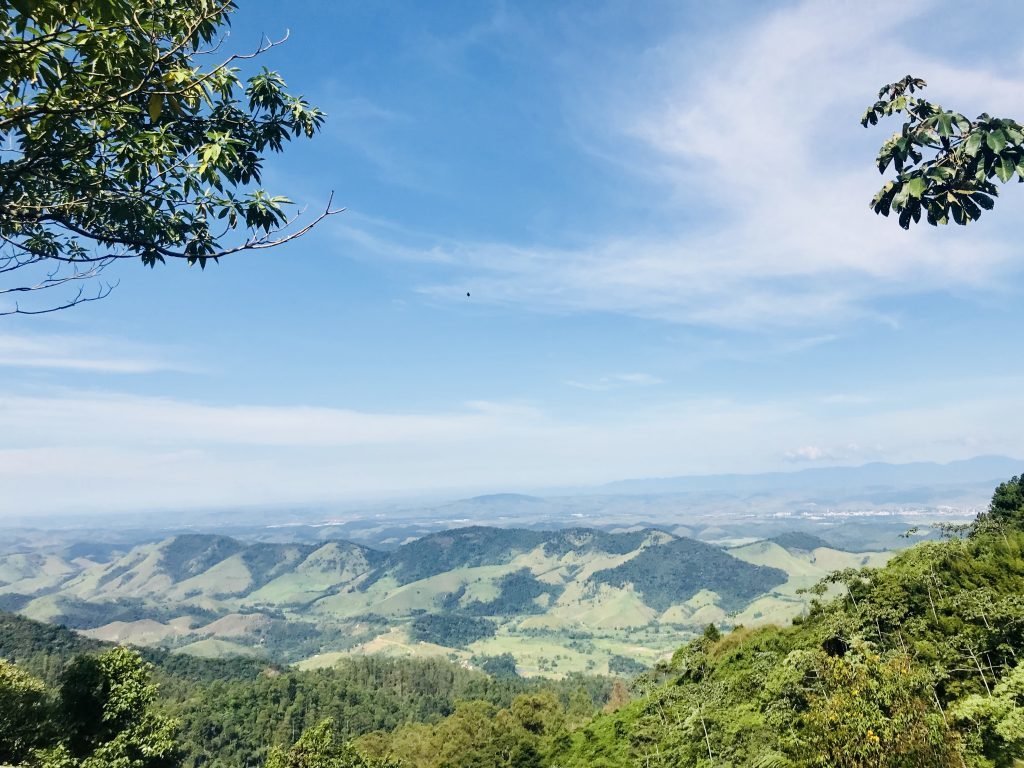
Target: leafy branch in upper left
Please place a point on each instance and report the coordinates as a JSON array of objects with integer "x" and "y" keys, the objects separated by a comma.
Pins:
[{"x": 118, "y": 141}]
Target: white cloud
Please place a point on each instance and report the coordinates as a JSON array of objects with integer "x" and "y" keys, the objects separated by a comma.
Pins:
[
  {"x": 82, "y": 353},
  {"x": 847, "y": 398},
  {"x": 616, "y": 381},
  {"x": 113, "y": 418},
  {"x": 68, "y": 451},
  {"x": 807, "y": 453},
  {"x": 834, "y": 454},
  {"x": 760, "y": 146}
]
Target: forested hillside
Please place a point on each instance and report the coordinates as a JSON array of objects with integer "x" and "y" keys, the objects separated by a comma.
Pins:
[
  {"x": 229, "y": 712},
  {"x": 915, "y": 664}
]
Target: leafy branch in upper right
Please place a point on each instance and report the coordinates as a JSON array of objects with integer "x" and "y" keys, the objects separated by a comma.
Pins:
[{"x": 945, "y": 163}]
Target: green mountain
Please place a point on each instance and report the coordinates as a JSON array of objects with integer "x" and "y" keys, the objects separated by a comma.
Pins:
[
  {"x": 459, "y": 548},
  {"x": 575, "y": 599},
  {"x": 799, "y": 540},
  {"x": 678, "y": 570}
]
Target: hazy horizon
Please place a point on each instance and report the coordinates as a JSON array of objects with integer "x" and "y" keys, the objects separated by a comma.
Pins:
[{"x": 976, "y": 471}]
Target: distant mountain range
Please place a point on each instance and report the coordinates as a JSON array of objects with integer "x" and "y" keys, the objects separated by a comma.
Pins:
[{"x": 987, "y": 470}]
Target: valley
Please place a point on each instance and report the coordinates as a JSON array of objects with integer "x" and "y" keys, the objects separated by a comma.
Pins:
[
  {"x": 607, "y": 580},
  {"x": 571, "y": 600}
]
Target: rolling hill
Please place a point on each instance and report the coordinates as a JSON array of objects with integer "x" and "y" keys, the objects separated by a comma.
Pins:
[{"x": 559, "y": 601}]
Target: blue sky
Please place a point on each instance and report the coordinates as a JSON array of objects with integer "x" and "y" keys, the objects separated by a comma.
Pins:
[{"x": 660, "y": 212}]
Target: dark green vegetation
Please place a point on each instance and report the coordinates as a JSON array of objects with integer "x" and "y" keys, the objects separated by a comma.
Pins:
[
  {"x": 519, "y": 593},
  {"x": 226, "y": 713},
  {"x": 450, "y": 629},
  {"x": 683, "y": 567},
  {"x": 590, "y": 540},
  {"x": 192, "y": 554},
  {"x": 497, "y": 666},
  {"x": 102, "y": 715},
  {"x": 40, "y": 649},
  {"x": 81, "y": 614},
  {"x": 945, "y": 163},
  {"x": 319, "y": 747},
  {"x": 799, "y": 540},
  {"x": 460, "y": 548},
  {"x": 130, "y": 135}
]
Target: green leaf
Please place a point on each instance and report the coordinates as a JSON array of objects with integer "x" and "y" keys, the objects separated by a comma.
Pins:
[
  {"x": 973, "y": 143},
  {"x": 882, "y": 202},
  {"x": 995, "y": 140},
  {"x": 936, "y": 213},
  {"x": 156, "y": 106},
  {"x": 899, "y": 200},
  {"x": 1005, "y": 169},
  {"x": 944, "y": 124},
  {"x": 917, "y": 186},
  {"x": 158, "y": 167}
]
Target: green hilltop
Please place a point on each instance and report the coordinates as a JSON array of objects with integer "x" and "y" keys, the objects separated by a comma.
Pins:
[{"x": 558, "y": 601}]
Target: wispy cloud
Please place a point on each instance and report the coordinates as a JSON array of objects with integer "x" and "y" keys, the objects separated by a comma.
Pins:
[
  {"x": 848, "y": 398},
  {"x": 83, "y": 450},
  {"x": 760, "y": 148},
  {"x": 834, "y": 454},
  {"x": 495, "y": 27},
  {"x": 616, "y": 381},
  {"x": 121, "y": 418},
  {"x": 91, "y": 354},
  {"x": 381, "y": 238}
]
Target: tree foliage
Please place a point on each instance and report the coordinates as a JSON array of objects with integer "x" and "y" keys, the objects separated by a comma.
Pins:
[
  {"x": 231, "y": 711},
  {"x": 914, "y": 665},
  {"x": 118, "y": 140},
  {"x": 945, "y": 163},
  {"x": 106, "y": 711},
  {"x": 103, "y": 717},
  {"x": 24, "y": 713},
  {"x": 107, "y": 716},
  {"x": 318, "y": 747},
  {"x": 450, "y": 629}
]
